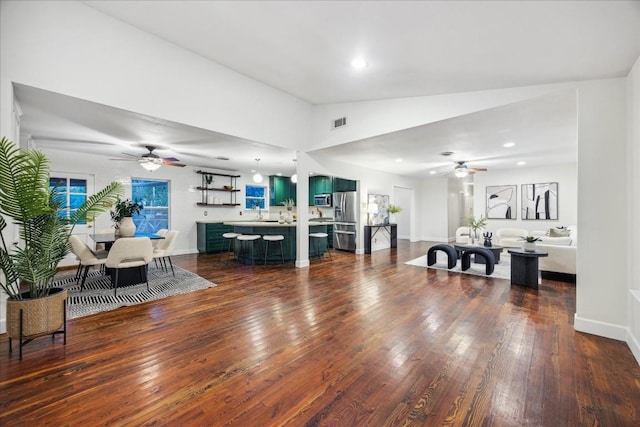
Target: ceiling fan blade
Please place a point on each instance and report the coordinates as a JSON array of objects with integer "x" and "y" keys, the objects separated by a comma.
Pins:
[
  {"x": 125, "y": 160},
  {"x": 477, "y": 169},
  {"x": 180, "y": 165},
  {"x": 170, "y": 159}
]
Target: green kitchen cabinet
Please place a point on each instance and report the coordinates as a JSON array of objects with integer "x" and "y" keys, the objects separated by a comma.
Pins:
[
  {"x": 280, "y": 189},
  {"x": 209, "y": 237},
  {"x": 341, "y": 184},
  {"x": 319, "y": 184}
]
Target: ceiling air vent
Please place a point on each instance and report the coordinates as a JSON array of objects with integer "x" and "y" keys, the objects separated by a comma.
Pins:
[{"x": 338, "y": 123}]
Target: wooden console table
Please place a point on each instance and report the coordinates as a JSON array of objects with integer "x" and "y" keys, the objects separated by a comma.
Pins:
[{"x": 371, "y": 230}]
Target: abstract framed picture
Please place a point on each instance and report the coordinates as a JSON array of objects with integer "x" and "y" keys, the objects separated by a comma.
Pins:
[
  {"x": 540, "y": 201},
  {"x": 501, "y": 202}
]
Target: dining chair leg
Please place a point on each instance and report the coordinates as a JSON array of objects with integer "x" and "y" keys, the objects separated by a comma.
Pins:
[
  {"x": 84, "y": 277},
  {"x": 78, "y": 271},
  {"x": 115, "y": 285},
  {"x": 171, "y": 264}
]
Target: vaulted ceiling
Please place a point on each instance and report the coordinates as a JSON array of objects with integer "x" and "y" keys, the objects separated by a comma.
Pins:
[{"x": 411, "y": 48}]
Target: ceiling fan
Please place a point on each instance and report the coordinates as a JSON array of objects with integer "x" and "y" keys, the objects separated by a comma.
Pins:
[
  {"x": 461, "y": 169},
  {"x": 151, "y": 161}
]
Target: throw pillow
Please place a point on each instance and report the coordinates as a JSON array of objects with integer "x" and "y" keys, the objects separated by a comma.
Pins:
[{"x": 556, "y": 232}]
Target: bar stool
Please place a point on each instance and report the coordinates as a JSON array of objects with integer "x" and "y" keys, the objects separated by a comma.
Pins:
[
  {"x": 315, "y": 237},
  {"x": 272, "y": 238},
  {"x": 248, "y": 238},
  {"x": 229, "y": 237}
]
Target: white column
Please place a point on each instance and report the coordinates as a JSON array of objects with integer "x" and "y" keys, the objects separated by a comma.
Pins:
[{"x": 303, "y": 167}]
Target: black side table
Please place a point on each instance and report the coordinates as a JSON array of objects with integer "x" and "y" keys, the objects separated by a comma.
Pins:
[{"x": 524, "y": 267}]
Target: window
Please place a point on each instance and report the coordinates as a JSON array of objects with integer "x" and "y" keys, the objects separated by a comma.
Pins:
[
  {"x": 154, "y": 196},
  {"x": 255, "y": 196},
  {"x": 72, "y": 193}
]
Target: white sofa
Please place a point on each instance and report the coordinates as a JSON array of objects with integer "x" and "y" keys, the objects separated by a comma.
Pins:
[{"x": 562, "y": 249}]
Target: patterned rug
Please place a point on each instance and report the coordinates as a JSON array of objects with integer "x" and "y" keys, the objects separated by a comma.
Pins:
[
  {"x": 97, "y": 294},
  {"x": 502, "y": 270}
]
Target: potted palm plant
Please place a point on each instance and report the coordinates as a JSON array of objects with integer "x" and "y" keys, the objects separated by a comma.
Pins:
[
  {"x": 35, "y": 307},
  {"x": 530, "y": 243}
]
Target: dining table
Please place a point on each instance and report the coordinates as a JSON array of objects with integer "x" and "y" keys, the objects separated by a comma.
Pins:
[{"x": 108, "y": 238}]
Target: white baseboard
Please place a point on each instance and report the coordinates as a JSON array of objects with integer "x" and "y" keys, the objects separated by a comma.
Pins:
[
  {"x": 634, "y": 345},
  {"x": 302, "y": 263},
  {"x": 435, "y": 239},
  {"x": 3, "y": 326},
  {"x": 603, "y": 329}
]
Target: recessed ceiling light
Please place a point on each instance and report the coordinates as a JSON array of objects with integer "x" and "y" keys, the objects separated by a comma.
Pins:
[
  {"x": 432, "y": 172},
  {"x": 398, "y": 160},
  {"x": 521, "y": 163},
  {"x": 509, "y": 144},
  {"x": 359, "y": 63}
]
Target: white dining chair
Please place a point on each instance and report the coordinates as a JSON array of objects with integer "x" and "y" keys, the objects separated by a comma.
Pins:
[
  {"x": 164, "y": 249},
  {"x": 128, "y": 252},
  {"x": 86, "y": 258}
]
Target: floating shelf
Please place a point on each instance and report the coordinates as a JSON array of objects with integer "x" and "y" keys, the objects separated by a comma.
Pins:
[{"x": 205, "y": 189}]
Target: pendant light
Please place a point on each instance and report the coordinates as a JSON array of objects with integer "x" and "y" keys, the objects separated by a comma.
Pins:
[{"x": 257, "y": 178}]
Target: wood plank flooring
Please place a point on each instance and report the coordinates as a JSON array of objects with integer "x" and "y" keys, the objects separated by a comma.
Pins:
[{"x": 360, "y": 340}]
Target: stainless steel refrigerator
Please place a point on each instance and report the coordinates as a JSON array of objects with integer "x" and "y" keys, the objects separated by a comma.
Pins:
[{"x": 345, "y": 210}]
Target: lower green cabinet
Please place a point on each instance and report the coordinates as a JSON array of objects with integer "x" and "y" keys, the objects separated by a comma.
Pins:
[{"x": 210, "y": 238}]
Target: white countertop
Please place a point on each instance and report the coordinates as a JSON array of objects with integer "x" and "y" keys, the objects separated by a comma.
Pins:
[{"x": 270, "y": 223}]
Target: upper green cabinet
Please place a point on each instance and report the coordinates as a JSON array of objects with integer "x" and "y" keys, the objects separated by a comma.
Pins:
[
  {"x": 319, "y": 184},
  {"x": 340, "y": 184},
  {"x": 280, "y": 189}
]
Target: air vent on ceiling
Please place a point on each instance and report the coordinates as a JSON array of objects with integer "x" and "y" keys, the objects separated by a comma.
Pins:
[{"x": 338, "y": 123}]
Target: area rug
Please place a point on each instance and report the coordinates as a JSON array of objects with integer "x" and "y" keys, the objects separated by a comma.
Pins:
[
  {"x": 97, "y": 294},
  {"x": 502, "y": 270}
]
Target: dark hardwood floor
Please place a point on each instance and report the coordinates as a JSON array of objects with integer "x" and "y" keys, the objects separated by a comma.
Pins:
[{"x": 360, "y": 340}]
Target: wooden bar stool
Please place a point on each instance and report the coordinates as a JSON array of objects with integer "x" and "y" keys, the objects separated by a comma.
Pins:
[
  {"x": 247, "y": 238},
  {"x": 272, "y": 238},
  {"x": 315, "y": 237},
  {"x": 229, "y": 238}
]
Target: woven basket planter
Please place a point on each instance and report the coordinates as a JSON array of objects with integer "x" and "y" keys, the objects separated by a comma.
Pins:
[{"x": 40, "y": 316}]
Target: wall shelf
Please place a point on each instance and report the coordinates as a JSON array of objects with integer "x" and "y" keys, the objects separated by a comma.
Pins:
[{"x": 206, "y": 189}]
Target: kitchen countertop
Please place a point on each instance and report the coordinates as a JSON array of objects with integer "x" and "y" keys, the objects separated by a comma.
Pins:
[{"x": 270, "y": 223}]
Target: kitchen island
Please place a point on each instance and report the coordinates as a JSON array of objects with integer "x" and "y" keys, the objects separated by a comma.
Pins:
[{"x": 262, "y": 228}]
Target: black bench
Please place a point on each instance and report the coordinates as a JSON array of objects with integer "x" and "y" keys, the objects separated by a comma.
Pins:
[
  {"x": 452, "y": 255},
  {"x": 489, "y": 259}
]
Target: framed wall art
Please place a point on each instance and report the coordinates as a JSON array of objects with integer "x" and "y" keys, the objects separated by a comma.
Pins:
[
  {"x": 502, "y": 202},
  {"x": 540, "y": 201}
]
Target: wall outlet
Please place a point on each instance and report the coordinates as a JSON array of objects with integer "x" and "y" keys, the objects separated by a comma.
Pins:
[
  {"x": 240, "y": 213},
  {"x": 205, "y": 213}
]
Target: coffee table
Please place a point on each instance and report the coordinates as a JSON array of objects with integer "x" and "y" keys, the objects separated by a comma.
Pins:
[
  {"x": 496, "y": 250},
  {"x": 524, "y": 267}
]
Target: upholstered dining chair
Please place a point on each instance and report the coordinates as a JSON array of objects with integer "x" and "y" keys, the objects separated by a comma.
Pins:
[
  {"x": 86, "y": 258},
  {"x": 164, "y": 249},
  {"x": 162, "y": 232},
  {"x": 128, "y": 252}
]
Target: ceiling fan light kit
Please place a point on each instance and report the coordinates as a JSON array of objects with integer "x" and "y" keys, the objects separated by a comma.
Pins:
[
  {"x": 461, "y": 171},
  {"x": 150, "y": 164}
]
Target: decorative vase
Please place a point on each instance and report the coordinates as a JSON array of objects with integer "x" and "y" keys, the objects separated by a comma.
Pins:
[
  {"x": 127, "y": 227},
  {"x": 288, "y": 219},
  {"x": 529, "y": 246}
]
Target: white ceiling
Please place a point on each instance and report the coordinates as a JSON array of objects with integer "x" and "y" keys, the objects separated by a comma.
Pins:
[{"x": 413, "y": 48}]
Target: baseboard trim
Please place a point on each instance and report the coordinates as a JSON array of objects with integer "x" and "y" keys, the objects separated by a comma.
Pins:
[
  {"x": 634, "y": 345},
  {"x": 302, "y": 263},
  {"x": 602, "y": 329}
]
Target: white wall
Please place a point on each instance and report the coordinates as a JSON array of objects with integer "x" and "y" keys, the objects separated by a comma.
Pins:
[
  {"x": 70, "y": 48},
  {"x": 633, "y": 195},
  {"x": 602, "y": 290},
  {"x": 432, "y": 215},
  {"x": 566, "y": 175}
]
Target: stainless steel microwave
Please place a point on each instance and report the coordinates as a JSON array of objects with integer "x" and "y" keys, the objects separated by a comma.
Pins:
[{"x": 322, "y": 200}]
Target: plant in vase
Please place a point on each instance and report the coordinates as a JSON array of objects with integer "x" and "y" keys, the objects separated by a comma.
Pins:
[
  {"x": 122, "y": 216},
  {"x": 475, "y": 225},
  {"x": 393, "y": 209},
  {"x": 44, "y": 227},
  {"x": 289, "y": 204},
  {"x": 530, "y": 243}
]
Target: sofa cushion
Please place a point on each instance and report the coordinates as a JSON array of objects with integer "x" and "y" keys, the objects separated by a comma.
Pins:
[
  {"x": 557, "y": 232},
  {"x": 560, "y": 241}
]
